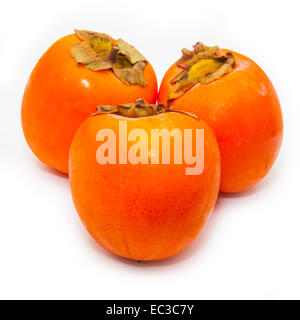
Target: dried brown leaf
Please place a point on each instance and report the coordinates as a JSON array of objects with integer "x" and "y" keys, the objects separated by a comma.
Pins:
[
  {"x": 130, "y": 52},
  {"x": 131, "y": 75},
  {"x": 139, "y": 109},
  {"x": 97, "y": 52},
  {"x": 88, "y": 35},
  {"x": 122, "y": 62},
  {"x": 99, "y": 64},
  {"x": 107, "y": 109},
  {"x": 85, "y": 54}
]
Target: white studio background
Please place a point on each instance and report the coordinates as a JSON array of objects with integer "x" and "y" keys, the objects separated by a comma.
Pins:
[{"x": 250, "y": 246}]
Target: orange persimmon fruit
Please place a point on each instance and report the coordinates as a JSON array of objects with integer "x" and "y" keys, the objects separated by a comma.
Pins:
[
  {"x": 142, "y": 210},
  {"x": 77, "y": 73},
  {"x": 238, "y": 101}
]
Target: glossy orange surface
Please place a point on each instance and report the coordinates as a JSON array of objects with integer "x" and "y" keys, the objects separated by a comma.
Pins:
[
  {"x": 243, "y": 110},
  {"x": 142, "y": 211},
  {"x": 60, "y": 95}
]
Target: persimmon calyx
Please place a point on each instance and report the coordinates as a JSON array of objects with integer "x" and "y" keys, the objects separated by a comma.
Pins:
[
  {"x": 201, "y": 65},
  {"x": 139, "y": 109},
  {"x": 98, "y": 51}
]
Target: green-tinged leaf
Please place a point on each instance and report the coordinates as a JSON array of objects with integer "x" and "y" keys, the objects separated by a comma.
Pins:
[
  {"x": 203, "y": 71},
  {"x": 193, "y": 76},
  {"x": 225, "y": 68},
  {"x": 203, "y": 65},
  {"x": 191, "y": 57},
  {"x": 202, "y": 68},
  {"x": 102, "y": 46}
]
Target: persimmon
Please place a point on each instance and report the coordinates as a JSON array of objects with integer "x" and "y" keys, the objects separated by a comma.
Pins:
[
  {"x": 133, "y": 204},
  {"x": 77, "y": 73},
  {"x": 236, "y": 98}
]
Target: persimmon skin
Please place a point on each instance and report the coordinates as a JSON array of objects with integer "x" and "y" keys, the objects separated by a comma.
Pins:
[
  {"x": 60, "y": 95},
  {"x": 244, "y": 112},
  {"x": 142, "y": 211}
]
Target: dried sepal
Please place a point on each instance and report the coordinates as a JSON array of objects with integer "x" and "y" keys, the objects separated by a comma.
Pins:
[
  {"x": 113, "y": 55},
  {"x": 107, "y": 109},
  {"x": 122, "y": 62},
  {"x": 189, "y": 78},
  {"x": 200, "y": 52},
  {"x": 93, "y": 51},
  {"x": 225, "y": 68},
  {"x": 180, "y": 76},
  {"x": 88, "y": 35},
  {"x": 139, "y": 109},
  {"x": 102, "y": 46},
  {"x": 134, "y": 111},
  {"x": 98, "y": 65},
  {"x": 130, "y": 52},
  {"x": 126, "y": 70},
  {"x": 99, "y": 52},
  {"x": 83, "y": 53},
  {"x": 131, "y": 74},
  {"x": 202, "y": 65}
]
